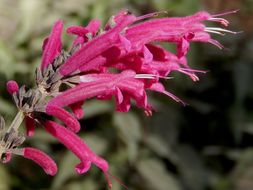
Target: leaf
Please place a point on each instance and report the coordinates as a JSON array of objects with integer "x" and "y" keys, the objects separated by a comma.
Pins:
[
  {"x": 79, "y": 7},
  {"x": 5, "y": 183},
  {"x": 8, "y": 63},
  {"x": 89, "y": 184},
  {"x": 129, "y": 128},
  {"x": 191, "y": 167},
  {"x": 165, "y": 124},
  {"x": 43, "y": 137},
  {"x": 72, "y": 186},
  {"x": 97, "y": 143},
  {"x": 8, "y": 18},
  {"x": 242, "y": 82},
  {"x": 248, "y": 128},
  {"x": 181, "y": 7},
  {"x": 155, "y": 175},
  {"x": 31, "y": 13},
  {"x": 243, "y": 172},
  {"x": 159, "y": 146},
  {"x": 66, "y": 170},
  {"x": 6, "y": 107},
  {"x": 93, "y": 108}
]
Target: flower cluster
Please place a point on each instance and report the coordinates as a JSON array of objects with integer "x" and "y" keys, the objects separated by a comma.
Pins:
[{"x": 123, "y": 60}]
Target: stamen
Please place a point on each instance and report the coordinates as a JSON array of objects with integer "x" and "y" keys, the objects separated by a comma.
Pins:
[
  {"x": 191, "y": 75},
  {"x": 216, "y": 17},
  {"x": 150, "y": 76},
  {"x": 226, "y": 13},
  {"x": 223, "y": 21},
  {"x": 216, "y": 43},
  {"x": 148, "y": 113},
  {"x": 217, "y": 30},
  {"x": 154, "y": 14},
  {"x": 194, "y": 70},
  {"x": 144, "y": 77},
  {"x": 175, "y": 98},
  {"x": 118, "y": 180}
]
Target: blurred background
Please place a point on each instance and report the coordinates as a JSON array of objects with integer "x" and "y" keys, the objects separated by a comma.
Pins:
[{"x": 206, "y": 145}]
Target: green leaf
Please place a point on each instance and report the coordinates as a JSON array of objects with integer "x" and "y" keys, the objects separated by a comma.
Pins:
[
  {"x": 93, "y": 108},
  {"x": 66, "y": 170},
  {"x": 89, "y": 184},
  {"x": 97, "y": 143},
  {"x": 8, "y": 63},
  {"x": 6, "y": 107},
  {"x": 129, "y": 129},
  {"x": 31, "y": 13},
  {"x": 42, "y": 136},
  {"x": 243, "y": 172},
  {"x": 191, "y": 167},
  {"x": 4, "y": 176},
  {"x": 155, "y": 175},
  {"x": 159, "y": 146}
]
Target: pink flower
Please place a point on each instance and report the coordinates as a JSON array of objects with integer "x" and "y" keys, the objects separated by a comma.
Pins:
[
  {"x": 30, "y": 126},
  {"x": 84, "y": 33},
  {"x": 126, "y": 46},
  {"x": 11, "y": 139},
  {"x": 52, "y": 45},
  {"x": 41, "y": 159},
  {"x": 64, "y": 116},
  {"x": 103, "y": 86},
  {"x": 78, "y": 147},
  {"x": 130, "y": 48},
  {"x": 12, "y": 87},
  {"x": 122, "y": 61}
]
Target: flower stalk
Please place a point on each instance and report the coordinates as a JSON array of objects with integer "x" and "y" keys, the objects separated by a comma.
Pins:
[
  {"x": 17, "y": 121},
  {"x": 123, "y": 61}
]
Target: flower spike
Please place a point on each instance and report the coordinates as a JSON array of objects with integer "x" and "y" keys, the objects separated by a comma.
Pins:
[{"x": 121, "y": 60}]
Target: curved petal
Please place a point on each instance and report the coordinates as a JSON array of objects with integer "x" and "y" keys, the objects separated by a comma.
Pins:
[
  {"x": 52, "y": 45},
  {"x": 40, "y": 158}
]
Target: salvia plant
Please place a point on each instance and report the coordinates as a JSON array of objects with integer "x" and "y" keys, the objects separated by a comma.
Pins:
[{"x": 121, "y": 60}]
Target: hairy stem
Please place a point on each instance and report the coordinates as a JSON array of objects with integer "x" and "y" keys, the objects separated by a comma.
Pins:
[{"x": 17, "y": 121}]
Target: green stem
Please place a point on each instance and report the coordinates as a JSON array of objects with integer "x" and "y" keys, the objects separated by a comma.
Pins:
[{"x": 17, "y": 121}]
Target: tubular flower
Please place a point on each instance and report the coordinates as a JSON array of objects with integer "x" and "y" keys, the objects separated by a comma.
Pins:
[
  {"x": 123, "y": 61},
  {"x": 78, "y": 147}
]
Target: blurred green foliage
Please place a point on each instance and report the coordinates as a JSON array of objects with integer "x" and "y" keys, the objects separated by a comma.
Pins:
[{"x": 204, "y": 146}]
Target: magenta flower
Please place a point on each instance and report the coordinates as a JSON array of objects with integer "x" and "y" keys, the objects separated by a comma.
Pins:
[
  {"x": 78, "y": 147},
  {"x": 43, "y": 160},
  {"x": 128, "y": 46},
  {"x": 84, "y": 34},
  {"x": 52, "y": 45}
]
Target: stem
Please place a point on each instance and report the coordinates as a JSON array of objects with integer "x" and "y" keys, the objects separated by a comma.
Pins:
[{"x": 17, "y": 121}]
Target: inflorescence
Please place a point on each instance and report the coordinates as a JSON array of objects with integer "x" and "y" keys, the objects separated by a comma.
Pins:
[{"x": 129, "y": 45}]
